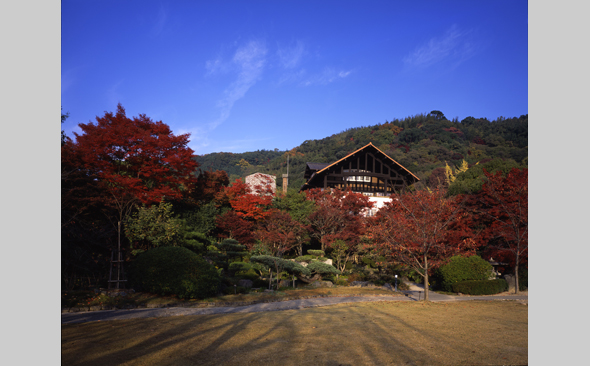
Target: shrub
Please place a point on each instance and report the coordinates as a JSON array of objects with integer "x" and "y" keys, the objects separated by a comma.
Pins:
[
  {"x": 482, "y": 287},
  {"x": 464, "y": 269},
  {"x": 523, "y": 279},
  {"x": 235, "y": 267},
  {"x": 174, "y": 270},
  {"x": 341, "y": 282},
  {"x": 259, "y": 283},
  {"x": 322, "y": 268},
  {"x": 317, "y": 253}
]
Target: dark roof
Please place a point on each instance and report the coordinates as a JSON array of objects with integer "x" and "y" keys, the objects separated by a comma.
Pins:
[
  {"x": 312, "y": 168},
  {"x": 370, "y": 144},
  {"x": 315, "y": 169},
  {"x": 317, "y": 166}
]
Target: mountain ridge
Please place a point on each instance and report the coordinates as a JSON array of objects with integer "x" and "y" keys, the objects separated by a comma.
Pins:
[{"x": 423, "y": 144}]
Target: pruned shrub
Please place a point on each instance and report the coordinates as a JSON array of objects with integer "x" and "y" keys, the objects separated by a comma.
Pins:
[
  {"x": 174, "y": 271},
  {"x": 322, "y": 268},
  {"x": 236, "y": 267},
  {"x": 483, "y": 287},
  {"x": 316, "y": 252},
  {"x": 464, "y": 269}
]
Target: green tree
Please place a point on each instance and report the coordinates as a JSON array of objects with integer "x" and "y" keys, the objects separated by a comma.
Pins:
[
  {"x": 472, "y": 180},
  {"x": 153, "y": 226}
]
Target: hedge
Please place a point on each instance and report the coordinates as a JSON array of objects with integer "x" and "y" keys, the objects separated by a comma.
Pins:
[
  {"x": 174, "y": 270},
  {"x": 464, "y": 269},
  {"x": 483, "y": 287}
]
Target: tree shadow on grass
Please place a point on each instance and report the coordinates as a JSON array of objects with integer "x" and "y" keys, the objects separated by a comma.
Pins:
[{"x": 350, "y": 334}]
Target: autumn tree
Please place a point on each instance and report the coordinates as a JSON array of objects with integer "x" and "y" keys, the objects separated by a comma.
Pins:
[
  {"x": 250, "y": 203},
  {"x": 132, "y": 160},
  {"x": 502, "y": 207},
  {"x": 422, "y": 230},
  {"x": 232, "y": 226},
  {"x": 279, "y": 232},
  {"x": 338, "y": 215},
  {"x": 209, "y": 184},
  {"x": 296, "y": 204}
]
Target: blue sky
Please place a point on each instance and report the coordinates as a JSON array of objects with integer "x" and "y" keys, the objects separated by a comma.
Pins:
[{"x": 248, "y": 75}]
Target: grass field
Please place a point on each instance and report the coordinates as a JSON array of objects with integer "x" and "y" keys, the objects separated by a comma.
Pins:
[{"x": 382, "y": 333}]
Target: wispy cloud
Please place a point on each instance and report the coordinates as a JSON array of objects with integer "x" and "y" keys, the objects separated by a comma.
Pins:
[
  {"x": 201, "y": 142},
  {"x": 248, "y": 61},
  {"x": 113, "y": 94},
  {"x": 454, "y": 46},
  {"x": 290, "y": 57},
  {"x": 160, "y": 21},
  {"x": 329, "y": 75}
]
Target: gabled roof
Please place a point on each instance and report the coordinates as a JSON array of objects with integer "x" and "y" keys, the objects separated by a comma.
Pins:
[
  {"x": 317, "y": 166},
  {"x": 311, "y": 168},
  {"x": 317, "y": 169},
  {"x": 370, "y": 144}
]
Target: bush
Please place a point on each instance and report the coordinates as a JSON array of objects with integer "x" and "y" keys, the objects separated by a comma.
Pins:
[
  {"x": 483, "y": 287},
  {"x": 259, "y": 283},
  {"x": 523, "y": 279},
  {"x": 174, "y": 270},
  {"x": 317, "y": 253},
  {"x": 464, "y": 269},
  {"x": 322, "y": 268},
  {"x": 341, "y": 282}
]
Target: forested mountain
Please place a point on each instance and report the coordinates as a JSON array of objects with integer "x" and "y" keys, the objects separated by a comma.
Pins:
[{"x": 423, "y": 144}]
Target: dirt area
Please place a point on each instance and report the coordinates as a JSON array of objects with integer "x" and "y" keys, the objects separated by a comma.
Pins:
[{"x": 414, "y": 333}]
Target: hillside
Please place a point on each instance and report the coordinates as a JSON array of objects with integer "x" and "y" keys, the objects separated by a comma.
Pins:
[{"x": 421, "y": 143}]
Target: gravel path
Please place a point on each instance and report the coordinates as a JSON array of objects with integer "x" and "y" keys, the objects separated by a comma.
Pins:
[
  {"x": 412, "y": 295},
  {"x": 104, "y": 315}
]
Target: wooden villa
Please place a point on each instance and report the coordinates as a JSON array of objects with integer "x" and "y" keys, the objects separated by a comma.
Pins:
[{"x": 367, "y": 170}]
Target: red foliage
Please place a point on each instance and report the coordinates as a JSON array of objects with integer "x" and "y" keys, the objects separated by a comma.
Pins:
[
  {"x": 250, "y": 203},
  {"x": 454, "y": 130},
  {"x": 338, "y": 215},
  {"x": 422, "y": 230},
  {"x": 209, "y": 184},
  {"x": 279, "y": 232},
  {"x": 502, "y": 207},
  {"x": 135, "y": 157},
  {"x": 478, "y": 140},
  {"x": 230, "y": 225}
]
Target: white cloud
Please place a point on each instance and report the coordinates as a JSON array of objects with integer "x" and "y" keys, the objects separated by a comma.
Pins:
[
  {"x": 248, "y": 62},
  {"x": 329, "y": 75},
  {"x": 290, "y": 57},
  {"x": 454, "y": 46}
]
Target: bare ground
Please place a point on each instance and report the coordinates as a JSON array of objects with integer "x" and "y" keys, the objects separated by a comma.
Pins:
[{"x": 405, "y": 333}]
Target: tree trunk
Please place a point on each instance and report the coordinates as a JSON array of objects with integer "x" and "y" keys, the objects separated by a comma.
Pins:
[
  {"x": 426, "y": 298},
  {"x": 270, "y": 280},
  {"x": 516, "y": 289}
]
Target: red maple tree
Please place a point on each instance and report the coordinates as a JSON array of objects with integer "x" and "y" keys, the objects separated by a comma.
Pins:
[
  {"x": 232, "y": 226},
  {"x": 131, "y": 160},
  {"x": 422, "y": 230},
  {"x": 209, "y": 184},
  {"x": 279, "y": 232},
  {"x": 338, "y": 215},
  {"x": 502, "y": 207},
  {"x": 250, "y": 203}
]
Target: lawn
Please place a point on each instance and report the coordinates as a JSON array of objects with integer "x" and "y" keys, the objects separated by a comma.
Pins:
[{"x": 406, "y": 333}]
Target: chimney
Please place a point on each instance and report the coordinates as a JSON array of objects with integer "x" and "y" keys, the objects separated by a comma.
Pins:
[{"x": 285, "y": 182}]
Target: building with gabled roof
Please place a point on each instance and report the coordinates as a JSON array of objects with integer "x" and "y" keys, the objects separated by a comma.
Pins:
[{"x": 367, "y": 170}]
